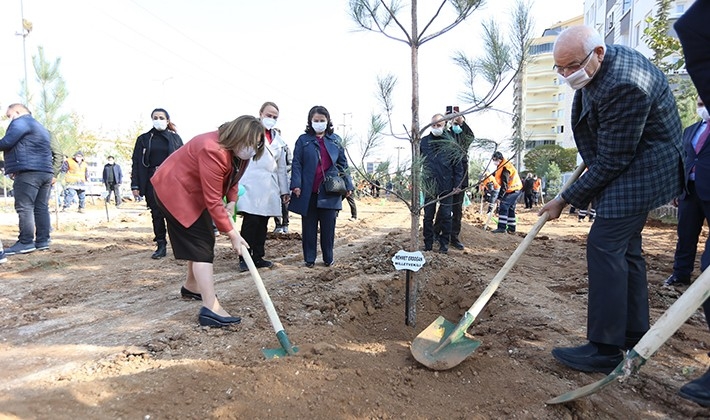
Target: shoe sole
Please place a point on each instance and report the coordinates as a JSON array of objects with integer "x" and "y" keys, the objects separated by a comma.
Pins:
[
  {"x": 3, "y": 260},
  {"x": 206, "y": 321},
  {"x": 24, "y": 251}
]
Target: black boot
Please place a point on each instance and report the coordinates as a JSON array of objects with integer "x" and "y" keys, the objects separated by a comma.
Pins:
[{"x": 161, "y": 251}]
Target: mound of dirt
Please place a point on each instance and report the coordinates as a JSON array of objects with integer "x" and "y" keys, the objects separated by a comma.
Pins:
[{"x": 94, "y": 328}]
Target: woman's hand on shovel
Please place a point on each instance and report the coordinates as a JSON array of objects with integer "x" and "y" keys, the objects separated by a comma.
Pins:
[
  {"x": 553, "y": 208},
  {"x": 237, "y": 241}
]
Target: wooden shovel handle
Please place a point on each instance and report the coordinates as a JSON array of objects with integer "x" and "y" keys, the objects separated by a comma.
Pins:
[{"x": 478, "y": 305}]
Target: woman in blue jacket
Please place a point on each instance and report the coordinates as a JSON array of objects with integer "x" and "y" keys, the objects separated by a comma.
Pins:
[{"x": 318, "y": 153}]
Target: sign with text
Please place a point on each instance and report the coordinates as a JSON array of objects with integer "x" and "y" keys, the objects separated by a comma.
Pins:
[{"x": 404, "y": 260}]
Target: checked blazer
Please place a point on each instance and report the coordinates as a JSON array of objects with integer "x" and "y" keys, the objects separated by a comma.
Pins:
[{"x": 628, "y": 132}]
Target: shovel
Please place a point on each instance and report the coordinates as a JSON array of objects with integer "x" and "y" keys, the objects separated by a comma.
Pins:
[
  {"x": 286, "y": 347},
  {"x": 443, "y": 344},
  {"x": 654, "y": 338}
]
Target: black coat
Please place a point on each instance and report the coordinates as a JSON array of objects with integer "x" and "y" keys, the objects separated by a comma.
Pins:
[
  {"x": 117, "y": 174},
  {"x": 441, "y": 164},
  {"x": 142, "y": 168}
]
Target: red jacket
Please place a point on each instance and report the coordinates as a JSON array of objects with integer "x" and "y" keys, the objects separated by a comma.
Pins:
[{"x": 196, "y": 177}]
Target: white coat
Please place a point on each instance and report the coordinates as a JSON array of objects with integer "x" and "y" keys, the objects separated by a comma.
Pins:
[{"x": 265, "y": 180}]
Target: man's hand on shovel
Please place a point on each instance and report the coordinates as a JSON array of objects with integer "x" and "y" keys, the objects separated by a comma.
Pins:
[{"x": 553, "y": 208}]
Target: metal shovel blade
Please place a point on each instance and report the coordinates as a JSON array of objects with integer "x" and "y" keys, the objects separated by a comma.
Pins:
[
  {"x": 287, "y": 349},
  {"x": 589, "y": 389},
  {"x": 427, "y": 347}
]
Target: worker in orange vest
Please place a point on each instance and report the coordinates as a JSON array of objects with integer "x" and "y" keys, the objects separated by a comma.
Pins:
[
  {"x": 537, "y": 185},
  {"x": 510, "y": 187}
]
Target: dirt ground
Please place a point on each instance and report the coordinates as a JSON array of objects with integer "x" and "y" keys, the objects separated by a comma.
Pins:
[{"x": 94, "y": 328}]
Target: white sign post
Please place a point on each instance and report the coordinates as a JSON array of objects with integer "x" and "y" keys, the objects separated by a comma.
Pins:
[{"x": 409, "y": 261}]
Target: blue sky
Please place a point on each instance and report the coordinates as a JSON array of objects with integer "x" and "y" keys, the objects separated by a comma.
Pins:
[{"x": 210, "y": 61}]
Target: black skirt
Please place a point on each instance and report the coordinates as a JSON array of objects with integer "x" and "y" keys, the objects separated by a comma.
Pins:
[{"x": 194, "y": 243}]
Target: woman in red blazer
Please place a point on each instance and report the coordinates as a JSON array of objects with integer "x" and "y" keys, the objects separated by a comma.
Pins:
[{"x": 189, "y": 187}]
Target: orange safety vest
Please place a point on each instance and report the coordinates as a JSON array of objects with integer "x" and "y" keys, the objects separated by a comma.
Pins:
[
  {"x": 514, "y": 182},
  {"x": 489, "y": 179},
  {"x": 76, "y": 174},
  {"x": 537, "y": 184}
]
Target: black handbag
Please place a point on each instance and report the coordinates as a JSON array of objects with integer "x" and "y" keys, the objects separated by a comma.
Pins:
[{"x": 333, "y": 184}]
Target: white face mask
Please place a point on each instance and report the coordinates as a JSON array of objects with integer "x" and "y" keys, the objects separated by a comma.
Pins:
[
  {"x": 268, "y": 123},
  {"x": 703, "y": 113},
  {"x": 578, "y": 79},
  {"x": 160, "y": 125},
  {"x": 319, "y": 127},
  {"x": 437, "y": 131},
  {"x": 246, "y": 153}
]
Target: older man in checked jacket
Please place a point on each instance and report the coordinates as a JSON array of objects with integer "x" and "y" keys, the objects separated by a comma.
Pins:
[{"x": 627, "y": 130}]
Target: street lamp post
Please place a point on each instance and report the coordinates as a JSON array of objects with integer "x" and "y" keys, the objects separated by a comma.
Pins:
[
  {"x": 26, "y": 29},
  {"x": 398, "y": 150}
]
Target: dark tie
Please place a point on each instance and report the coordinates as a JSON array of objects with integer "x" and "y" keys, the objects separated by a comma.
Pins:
[{"x": 703, "y": 137}]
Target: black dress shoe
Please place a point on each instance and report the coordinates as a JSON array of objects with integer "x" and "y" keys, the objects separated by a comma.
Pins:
[
  {"x": 698, "y": 390},
  {"x": 674, "y": 280},
  {"x": 587, "y": 358},
  {"x": 243, "y": 267},
  {"x": 189, "y": 295},
  {"x": 208, "y": 318},
  {"x": 263, "y": 263},
  {"x": 457, "y": 244}
]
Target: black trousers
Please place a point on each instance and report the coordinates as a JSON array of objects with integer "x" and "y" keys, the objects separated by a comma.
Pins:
[
  {"x": 156, "y": 214},
  {"x": 618, "y": 289},
  {"x": 528, "y": 199},
  {"x": 442, "y": 227},
  {"x": 283, "y": 220},
  {"x": 456, "y": 215},
  {"x": 254, "y": 232}
]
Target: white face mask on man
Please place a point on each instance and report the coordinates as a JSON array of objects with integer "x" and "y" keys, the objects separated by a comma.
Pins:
[
  {"x": 578, "y": 79},
  {"x": 703, "y": 113},
  {"x": 437, "y": 131}
]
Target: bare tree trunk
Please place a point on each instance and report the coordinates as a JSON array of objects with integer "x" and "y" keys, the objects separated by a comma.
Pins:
[{"x": 416, "y": 138}]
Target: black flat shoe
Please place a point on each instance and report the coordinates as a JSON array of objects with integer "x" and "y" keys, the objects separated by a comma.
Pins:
[
  {"x": 208, "y": 318},
  {"x": 674, "y": 280},
  {"x": 186, "y": 294}
]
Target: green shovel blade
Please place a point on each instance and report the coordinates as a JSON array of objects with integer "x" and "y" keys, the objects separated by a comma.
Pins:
[
  {"x": 425, "y": 347},
  {"x": 278, "y": 353}
]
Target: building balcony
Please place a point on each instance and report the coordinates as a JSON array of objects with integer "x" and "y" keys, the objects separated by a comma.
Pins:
[{"x": 537, "y": 105}]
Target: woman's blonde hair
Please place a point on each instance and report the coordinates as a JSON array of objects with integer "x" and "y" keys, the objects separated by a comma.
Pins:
[{"x": 245, "y": 131}]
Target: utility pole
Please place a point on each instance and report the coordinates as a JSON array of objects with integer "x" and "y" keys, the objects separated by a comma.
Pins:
[
  {"x": 26, "y": 29},
  {"x": 399, "y": 148}
]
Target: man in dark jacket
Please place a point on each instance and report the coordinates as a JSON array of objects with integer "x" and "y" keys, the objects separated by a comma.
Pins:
[
  {"x": 627, "y": 130},
  {"x": 442, "y": 174},
  {"x": 112, "y": 178},
  {"x": 463, "y": 135},
  {"x": 32, "y": 161},
  {"x": 694, "y": 34}
]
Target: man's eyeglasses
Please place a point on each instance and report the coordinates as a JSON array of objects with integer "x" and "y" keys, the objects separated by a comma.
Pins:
[{"x": 572, "y": 67}]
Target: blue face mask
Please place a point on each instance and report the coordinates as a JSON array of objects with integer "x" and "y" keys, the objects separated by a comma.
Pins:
[{"x": 456, "y": 129}]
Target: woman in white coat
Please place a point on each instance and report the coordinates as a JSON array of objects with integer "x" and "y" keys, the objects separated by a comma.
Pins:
[{"x": 265, "y": 187}]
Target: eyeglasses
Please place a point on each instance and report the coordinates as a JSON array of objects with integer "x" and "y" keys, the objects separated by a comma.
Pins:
[{"x": 572, "y": 67}]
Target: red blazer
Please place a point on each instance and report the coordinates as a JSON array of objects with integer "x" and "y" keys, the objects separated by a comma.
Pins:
[{"x": 196, "y": 177}]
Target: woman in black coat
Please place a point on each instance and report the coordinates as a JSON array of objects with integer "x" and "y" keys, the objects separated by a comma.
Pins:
[{"x": 150, "y": 151}]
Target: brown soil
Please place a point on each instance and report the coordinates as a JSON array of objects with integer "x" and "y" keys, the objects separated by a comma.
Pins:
[{"x": 93, "y": 328}]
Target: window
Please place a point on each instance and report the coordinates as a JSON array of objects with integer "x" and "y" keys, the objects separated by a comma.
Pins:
[
  {"x": 637, "y": 35},
  {"x": 560, "y": 129},
  {"x": 626, "y": 6},
  {"x": 561, "y": 97},
  {"x": 560, "y": 113}
]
